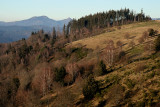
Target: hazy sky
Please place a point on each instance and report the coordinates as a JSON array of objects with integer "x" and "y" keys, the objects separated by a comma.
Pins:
[{"x": 12, "y": 10}]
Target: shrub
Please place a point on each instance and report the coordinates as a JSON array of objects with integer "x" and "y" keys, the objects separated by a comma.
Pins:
[
  {"x": 151, "y": 75},
  {"x": 102, "y": 68},
  {"x": 16, "y": 82},
  {"x": 121, "y": 55},
  {"x": 130, "y": 84},
  {"x": 60, "y": 74},
  {"x": 152, "y": 32},
  {"x": 157, "y": 44},
  {"x": 90, "y": 88}
]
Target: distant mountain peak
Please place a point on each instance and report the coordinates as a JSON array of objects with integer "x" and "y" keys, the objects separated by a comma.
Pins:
[
  {"x": 69, "y": 18},
  {"x": 40, "y": 17},
  {"x": 155, "y": 18},
  {"x": 12, "y": 31}
]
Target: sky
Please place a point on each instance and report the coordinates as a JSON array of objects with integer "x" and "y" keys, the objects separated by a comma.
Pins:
[{"x": 14, "y": 10}]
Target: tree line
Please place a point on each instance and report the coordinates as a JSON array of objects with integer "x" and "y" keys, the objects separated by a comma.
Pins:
[{"x": 90, "y": 24}]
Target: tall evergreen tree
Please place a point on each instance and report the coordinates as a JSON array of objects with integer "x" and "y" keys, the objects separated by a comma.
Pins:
[
  {"x": 54, "y": 33},
  {"x": 64, "y": 30}
]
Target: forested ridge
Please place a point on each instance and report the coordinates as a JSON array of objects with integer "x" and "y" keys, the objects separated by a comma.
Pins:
[{"x": 90, "y": 25}]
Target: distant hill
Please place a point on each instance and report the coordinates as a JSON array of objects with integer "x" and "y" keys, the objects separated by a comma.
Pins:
[
  {"x": 155, "y": 18},
  {"x": 13, "y": 31}
]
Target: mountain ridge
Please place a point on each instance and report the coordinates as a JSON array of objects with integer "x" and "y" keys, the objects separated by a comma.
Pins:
[
  {"x": 36, "y": 20},
  {"x": 155, "y": 18},
  {"x": 13, "y": 31}
]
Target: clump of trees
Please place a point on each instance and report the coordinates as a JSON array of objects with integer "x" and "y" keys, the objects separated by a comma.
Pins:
[
  {"x": 102, "y": 68},
  {"x": 60, "y": 74},
  {"x": 87, "y": 25},
  {"x": 90, "y": 88}
]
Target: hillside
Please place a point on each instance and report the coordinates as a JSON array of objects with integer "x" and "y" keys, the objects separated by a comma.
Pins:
[
  {"x": 135, "y": 83},
  {"x": 13, "y": 31},
  {"x": 42, "y": 71}
]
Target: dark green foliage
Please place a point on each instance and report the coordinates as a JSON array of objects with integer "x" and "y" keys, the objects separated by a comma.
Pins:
[
  {"x": 54, "y": 33},
  {"x": 152, "y": 32},
  {"x": 54, "y": 36},
  {"x": 109, "y": 18},
  {"x": 67, "y": 30},
  {"x": 60, "y": 74},
  {"x": 141, "y": 104},
  {"x": 90, "y": 88},
  {"x": 13, "y": 87},
  {"x": 64, "y": 30},
  {"x": 102, "y": 69},
  {"x": 80, "y": 52},
  {"x": 16, "y": 82},
  {"x": 45, "y": 38},
  {"x": 151, "y": 75},
  {"x": 121, "y": 55},
  {"x": 130, "y": 84},
  {"x": 102, "y": 103},
  {"x": 157, "y": 44},
  {"x": 53, "y": 41},
  {"x": 24, "y": 50}
]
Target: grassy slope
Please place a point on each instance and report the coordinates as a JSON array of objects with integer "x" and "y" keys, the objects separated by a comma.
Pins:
[
  {"x": 143, "y": 85},
  {"x": 135, "y": 29}
]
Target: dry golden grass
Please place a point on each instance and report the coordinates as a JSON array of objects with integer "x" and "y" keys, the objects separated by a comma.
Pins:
[
  {"x": 140, "y": 78},
  {"x": 135, "y": 30}
]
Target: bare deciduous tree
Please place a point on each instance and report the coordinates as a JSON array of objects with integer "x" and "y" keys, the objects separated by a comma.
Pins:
[
  {"x": 109, "y": 53},
  {"x": 46, "y": 80}
]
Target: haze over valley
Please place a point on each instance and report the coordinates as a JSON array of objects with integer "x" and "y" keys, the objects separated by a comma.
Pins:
[{"x": 13, "y": 31}]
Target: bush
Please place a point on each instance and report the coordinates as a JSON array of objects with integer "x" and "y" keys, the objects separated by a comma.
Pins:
[
  {"x": 130, "y": 84},
  {"x": 152, "y": 32},
  {"x": 121, "y": 55},
  {"x": 90, "y": 88},
  {"x": 157, "y": 44},
  {"x": 151, "y": 75},
  {"x": 60, "y": 74},
  {"x": 16, "y": 82},
  {"x": 102, "y": 68}
]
